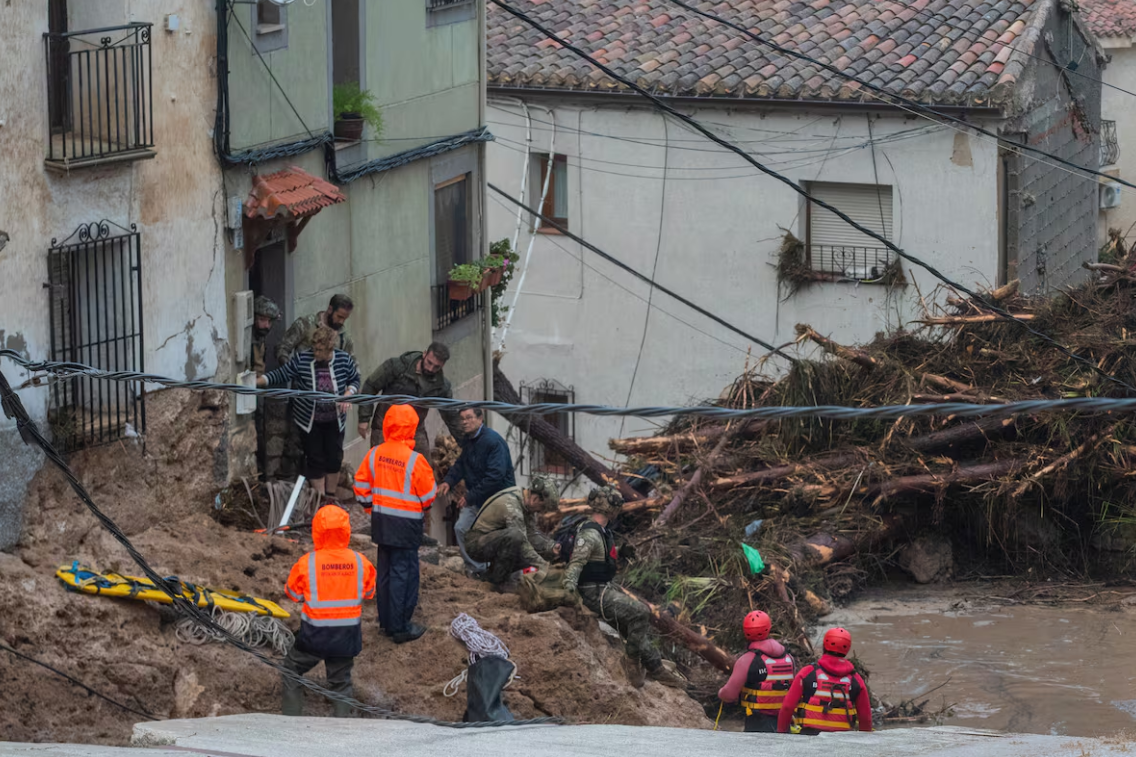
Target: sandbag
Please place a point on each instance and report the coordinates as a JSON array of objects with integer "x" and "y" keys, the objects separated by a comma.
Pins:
[{"x": 485, "y": 681}]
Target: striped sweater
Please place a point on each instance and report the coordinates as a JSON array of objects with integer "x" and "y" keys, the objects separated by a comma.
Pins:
[{"x": 300, "y": 372}]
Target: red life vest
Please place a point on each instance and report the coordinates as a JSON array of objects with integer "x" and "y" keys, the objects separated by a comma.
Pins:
[
  {"x": 828, "y": 702},
  {"x": 763, "y": 694}
]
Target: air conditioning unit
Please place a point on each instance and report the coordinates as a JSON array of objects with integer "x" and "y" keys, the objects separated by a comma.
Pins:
[
  {"x": 243, "y": 319},
  {"x": 1109, "y": 195}
]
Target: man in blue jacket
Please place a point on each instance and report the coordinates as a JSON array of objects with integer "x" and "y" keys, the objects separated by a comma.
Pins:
[{"x": 486, "y": 467}]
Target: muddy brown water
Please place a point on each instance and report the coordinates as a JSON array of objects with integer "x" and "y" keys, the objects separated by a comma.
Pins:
[{"x": 1067, "y": 670}]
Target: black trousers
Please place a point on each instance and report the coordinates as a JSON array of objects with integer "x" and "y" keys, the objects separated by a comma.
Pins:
[
  {"x": 761, "y": 723},
  {"x": 396, "y": 590}
]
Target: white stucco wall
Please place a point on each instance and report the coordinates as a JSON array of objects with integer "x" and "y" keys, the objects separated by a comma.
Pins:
[
  {"x": 716, "y": 225},
  {"x": 1121, "y": 107},
  {"x": 174, "y": 199}
]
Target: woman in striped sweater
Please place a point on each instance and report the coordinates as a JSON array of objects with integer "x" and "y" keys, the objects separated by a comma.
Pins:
[{"x": 323, "y": 369}]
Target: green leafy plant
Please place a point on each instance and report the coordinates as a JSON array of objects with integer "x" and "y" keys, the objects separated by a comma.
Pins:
[
  {"x": 504, "y": 251},
  {"x": 493, "y": 261},
  {"x": 349, "y": 101},
  {"x": 467, "y": 273}
]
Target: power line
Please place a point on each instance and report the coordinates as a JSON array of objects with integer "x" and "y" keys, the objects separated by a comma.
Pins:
[
  {"x": 883, "y": 93},
  {"x": 697, "y": 126},
  {"x": 30, "y": 434},
  {"x": 578, "y": 258},
  {"x": 28, "y": 431},
  {"x": 77, "y": 682}
]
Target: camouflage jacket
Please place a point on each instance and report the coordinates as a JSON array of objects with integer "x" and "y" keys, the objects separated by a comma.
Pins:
[
  {"x": 589, "y": 547},
  {"x": 506, "y": 509},
  {"x": 257, "y": 362},
  {"x": 298, "y": 337},
  {"x": 399, "y": 375}
]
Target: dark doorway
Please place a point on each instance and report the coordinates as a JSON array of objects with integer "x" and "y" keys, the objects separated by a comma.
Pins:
[{"x": 270, "y": 276}]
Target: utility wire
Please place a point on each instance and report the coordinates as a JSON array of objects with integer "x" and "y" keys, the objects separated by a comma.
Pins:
[
  {"x": 883, "y": 93},
  {"x": 697, "y": 126},
  {"x": 80, "y": 684},
  {"x": 30, "y": 434},
  {"x": 775, "y": 412}
]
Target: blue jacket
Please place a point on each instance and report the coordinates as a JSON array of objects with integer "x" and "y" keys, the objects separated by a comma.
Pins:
[
  {"x": 300, "y": 371},
  {"x": 485, "y": 465}
]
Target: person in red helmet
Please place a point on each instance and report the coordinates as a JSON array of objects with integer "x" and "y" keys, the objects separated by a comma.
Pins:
[
  {"x": 761, "y": 677},
  {"x": 830, "y": 695}
]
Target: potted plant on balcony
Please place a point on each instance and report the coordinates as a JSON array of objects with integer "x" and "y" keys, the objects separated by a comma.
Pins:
[
  {"x": 465, "y": 281},
  {"x": 494, "y": 266},
  {"x": 354, "y": 109}
]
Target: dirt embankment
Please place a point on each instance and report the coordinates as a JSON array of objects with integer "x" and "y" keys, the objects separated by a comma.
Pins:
[{"x": 162, "y": 499}]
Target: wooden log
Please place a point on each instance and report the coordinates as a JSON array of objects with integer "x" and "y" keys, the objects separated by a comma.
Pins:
[
  {"x": 1001, "y": 293},
  {"x": 550, "y": 519},
  {"x": 781, "y": 578},
  {"x": 654, "y": 445},
  {"x": 824, "y": 548},
  {"x": 695, "y": 480},
  {"x": 948, "y": 384},
  {"x": 1062, "y": 462},
  {"x": 970, "y": 399},
  {"x": 962, "y": 320},
  {"x": 859, "y": 357},
  {"x": 688, "y": 637},
  {"x": 556, "y": 441},
  {"x": 964, "y": 433},
  {"x": 1107, "y": 267},
  {"x": 930, "y": 482}
]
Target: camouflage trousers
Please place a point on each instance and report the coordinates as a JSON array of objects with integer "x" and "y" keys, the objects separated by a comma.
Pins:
[
  {"x": 629, "y": 617},
  {"x": 506, "y": 550}
]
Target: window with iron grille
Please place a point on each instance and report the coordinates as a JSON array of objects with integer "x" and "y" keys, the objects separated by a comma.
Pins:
[
  {"x": 834, "y": 247},
  {"x": 95, "y": 305},
  {"x": 437, "y": 5},
  {"x": 1110, "y": 147},
  {"x": 536, "y": 458}
]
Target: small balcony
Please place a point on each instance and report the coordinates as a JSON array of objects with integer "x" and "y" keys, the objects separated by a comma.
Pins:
[
  {"x": 99, "y": 96},
  {"x": 851, "y": 263},
  {"x": 1109, "y": 146},
  {"x": 448, "y": 312}
]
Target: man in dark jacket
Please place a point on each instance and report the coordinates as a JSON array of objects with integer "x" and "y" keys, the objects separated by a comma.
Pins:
[
  {"x": 415, "y": 374},
  {"x": 486, "y": 467}
]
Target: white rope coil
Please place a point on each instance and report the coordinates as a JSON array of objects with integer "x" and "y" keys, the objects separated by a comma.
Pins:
[
  {"x": 477, "y": 640},
  {"x": 255, "y": 630}
]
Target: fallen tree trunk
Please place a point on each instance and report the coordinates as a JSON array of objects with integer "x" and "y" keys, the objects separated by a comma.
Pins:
[
  {"x": 930, "y": 482},
  {"x": 695, "y": 480},
  {"x": 824, "y": 548},
  {"x": 961, "y": 434},
  {"x": 948, "y": 384},
  {"x": 550, "y": 519},
  {"x": 556, "y": 441},
  {"x": 1001, "y": 293},
  {"x": 859, "y": 357},
  {"x": 688, "y": 637},
  {"x": 653, "y": 445}
]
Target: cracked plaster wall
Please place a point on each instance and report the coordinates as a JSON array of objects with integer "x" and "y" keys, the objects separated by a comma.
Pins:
[{"x": 175, "y": 200}]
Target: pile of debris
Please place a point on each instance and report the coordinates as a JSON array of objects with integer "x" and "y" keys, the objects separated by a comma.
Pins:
[{"x": 824, "y": 504}]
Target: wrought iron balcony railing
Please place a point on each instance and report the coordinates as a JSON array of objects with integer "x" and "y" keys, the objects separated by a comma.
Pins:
[
  {"x": 99, "y": 95},
  {"x": 865, "y": 264},
  {"x": 1109, "y": 146}
]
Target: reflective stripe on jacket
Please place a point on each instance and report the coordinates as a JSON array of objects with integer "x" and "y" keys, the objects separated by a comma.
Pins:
[
  {"x": 764, "y": 693},
  {"x": 394, "y": 484},
  {"x": 331, "y": 581},
  {"x": 832, "y": 706}
]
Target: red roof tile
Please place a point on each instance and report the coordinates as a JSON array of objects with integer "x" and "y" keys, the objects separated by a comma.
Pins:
[
  {"x": 851, "y": 34},
  {"x": 291, "y": 193},
  {"x": 1110, "y": 18}
]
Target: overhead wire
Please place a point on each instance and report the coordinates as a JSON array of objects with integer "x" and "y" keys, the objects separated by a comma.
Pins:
[
  {"x": 29, "y": 432},
  {"x": 698, "y": 127}
]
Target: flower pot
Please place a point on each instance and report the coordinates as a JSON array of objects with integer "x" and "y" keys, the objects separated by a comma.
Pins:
[
  {"x": 483, "y": 284},
  {"x": 460, "y": 290},
  {"x": 493, "y": 275},
  {"x": 349, "y": 126}
]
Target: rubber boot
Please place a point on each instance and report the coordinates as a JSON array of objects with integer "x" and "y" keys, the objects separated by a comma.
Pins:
[
  {"x": 342, "y": 710},
  {"x": 667, "y": 674},
  {"x": 293, "y": 700}
]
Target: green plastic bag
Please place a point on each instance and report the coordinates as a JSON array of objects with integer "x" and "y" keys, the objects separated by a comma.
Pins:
[{"x": 756, "y": 564}]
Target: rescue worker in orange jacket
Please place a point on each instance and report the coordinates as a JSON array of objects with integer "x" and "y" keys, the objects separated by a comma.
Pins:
[
  {"x": 829, "y": 695},
  {"x": 396, "y": 487},
  {"x": 761, "y": 676},
  {"x": 332, "y": 581}
]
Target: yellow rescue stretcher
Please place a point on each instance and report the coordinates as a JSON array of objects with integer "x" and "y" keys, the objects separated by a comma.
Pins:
[{"x": 81, "y": 578}]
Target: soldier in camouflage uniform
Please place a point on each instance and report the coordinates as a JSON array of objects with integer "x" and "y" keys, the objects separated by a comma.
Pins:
[
  {"x": 265, "y": 314},
  {"x": 505, "y": 534},
  {"x": 590, "y": 572},
  {"x": 299, "y": 334}
]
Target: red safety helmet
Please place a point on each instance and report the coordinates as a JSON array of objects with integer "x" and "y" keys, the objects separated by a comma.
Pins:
[
  {"x": 838, "y": 641},
  {"x": 756, "y": 626}
]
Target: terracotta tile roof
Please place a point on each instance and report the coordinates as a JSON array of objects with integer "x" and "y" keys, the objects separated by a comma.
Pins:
[
  {"x": 911, "y": 47},
  {"x": 1110, "y": 18},
  {"x": 291, "y": 193}
]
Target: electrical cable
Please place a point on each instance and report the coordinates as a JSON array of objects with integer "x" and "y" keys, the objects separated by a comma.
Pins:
[
  {"x": 698, "y": 127},
  {"x": 883, "y": 93},
  {"x": 77, "y": 682},
  {"x": 776, "y": 412},
  {"x": 30, "y": 434},
  {"x": 552, "y": 240}
]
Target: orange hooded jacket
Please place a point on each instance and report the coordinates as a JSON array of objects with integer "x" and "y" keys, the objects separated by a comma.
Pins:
[
  {"x": 332, "y": 581},
  {"x": 395, "y": 484}
]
